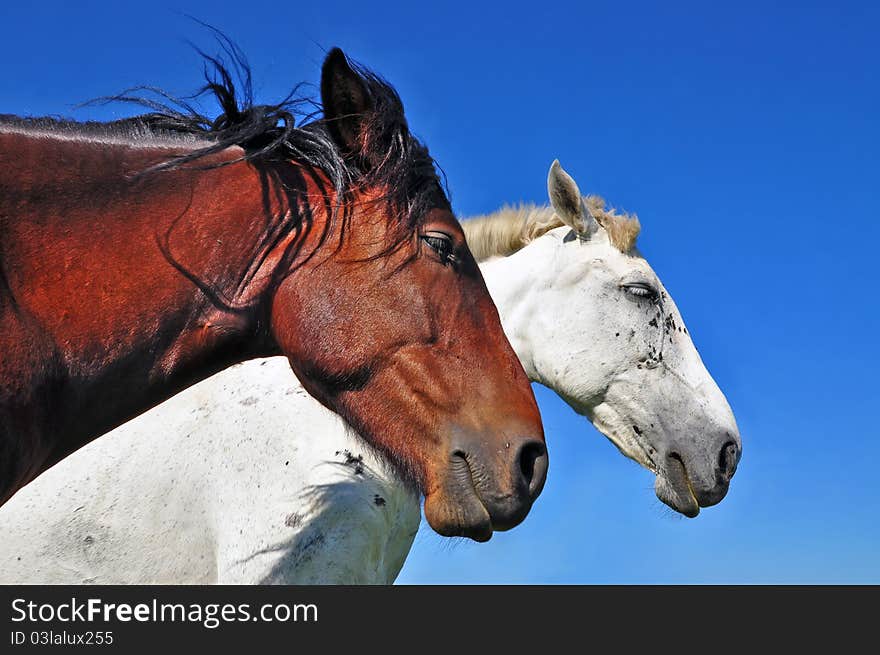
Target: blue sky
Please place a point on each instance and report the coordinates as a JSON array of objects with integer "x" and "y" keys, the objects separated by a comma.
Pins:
[{"x": 746, "y": 138}]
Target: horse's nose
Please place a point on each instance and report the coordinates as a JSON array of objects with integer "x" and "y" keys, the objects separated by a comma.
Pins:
[
  {"x": 531, "y": 467},
  {"x": 503, "y": 476},
  {"x": 728, "y": 459},
  {"x": 509, "y": 498}
]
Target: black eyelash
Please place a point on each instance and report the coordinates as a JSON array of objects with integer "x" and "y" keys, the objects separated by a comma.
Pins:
[
  {"x": 442, "y": 246},
  {"x": 644, "y": 291}
]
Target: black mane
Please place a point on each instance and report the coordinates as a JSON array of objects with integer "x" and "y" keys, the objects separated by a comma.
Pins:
[{"x": 402, "y": 163}]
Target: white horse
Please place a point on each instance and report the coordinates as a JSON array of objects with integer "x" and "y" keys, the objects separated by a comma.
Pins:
[{"x": 233, "y": 496}]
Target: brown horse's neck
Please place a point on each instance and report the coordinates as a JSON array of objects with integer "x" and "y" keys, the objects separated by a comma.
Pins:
[{"x": 117, "y": 291}]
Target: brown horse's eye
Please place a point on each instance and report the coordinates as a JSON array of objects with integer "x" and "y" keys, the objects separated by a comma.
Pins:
[{"x": 442, "y": 245}]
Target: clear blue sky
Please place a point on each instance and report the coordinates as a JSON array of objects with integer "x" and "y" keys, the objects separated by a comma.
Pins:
[{"x": 746, "y": 138}]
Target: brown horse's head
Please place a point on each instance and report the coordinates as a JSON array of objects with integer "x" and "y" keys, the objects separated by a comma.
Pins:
[{"x": 390, "y": 324}]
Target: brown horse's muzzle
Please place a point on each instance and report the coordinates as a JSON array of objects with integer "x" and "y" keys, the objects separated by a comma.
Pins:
[{"x": 485, "y": 488}]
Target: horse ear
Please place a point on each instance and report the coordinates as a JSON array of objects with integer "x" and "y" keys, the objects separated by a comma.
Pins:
[
  {"x": 566, "y": 199},
  {"x": 346, "y": 101}
]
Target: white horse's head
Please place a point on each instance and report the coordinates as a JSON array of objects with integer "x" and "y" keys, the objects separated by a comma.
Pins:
[{"x": 590, "y": 319}]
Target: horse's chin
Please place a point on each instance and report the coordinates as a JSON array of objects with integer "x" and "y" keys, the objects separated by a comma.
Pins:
[
  {"x": 672, "y": 485},
  {"x": 452, "y": 513},
  {"x": 673, "y": 488}
]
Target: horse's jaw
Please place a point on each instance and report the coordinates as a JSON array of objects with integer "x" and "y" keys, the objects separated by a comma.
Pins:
[{"x": 676, "y": 432}]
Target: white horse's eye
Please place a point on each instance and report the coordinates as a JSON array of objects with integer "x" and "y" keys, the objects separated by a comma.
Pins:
[{"x": 640, "y": 289}]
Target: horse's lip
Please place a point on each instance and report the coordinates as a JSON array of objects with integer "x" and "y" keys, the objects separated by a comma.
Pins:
[
  {"x": 459, "y": 508},
  {"x": 503, "y": 510},
  {"x": 675, "y": 478},
  {"x": 464, "y": 475}
]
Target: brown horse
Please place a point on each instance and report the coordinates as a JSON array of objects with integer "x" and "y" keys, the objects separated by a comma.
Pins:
[{"x": 141, "y": 256}]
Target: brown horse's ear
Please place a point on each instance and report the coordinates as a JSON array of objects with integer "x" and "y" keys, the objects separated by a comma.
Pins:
[{"x": 346, "y": 102}]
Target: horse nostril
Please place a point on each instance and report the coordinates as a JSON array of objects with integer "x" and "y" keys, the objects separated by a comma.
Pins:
[
  {"x": 533, "y": 466},
  {"x": 727, "y": 460}
]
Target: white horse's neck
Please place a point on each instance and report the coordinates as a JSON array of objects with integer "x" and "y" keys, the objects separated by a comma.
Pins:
[{"x": 517, "y": 284}]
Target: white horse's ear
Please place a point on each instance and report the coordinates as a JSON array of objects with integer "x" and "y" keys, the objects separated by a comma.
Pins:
[{"x": 568, "y": 203}]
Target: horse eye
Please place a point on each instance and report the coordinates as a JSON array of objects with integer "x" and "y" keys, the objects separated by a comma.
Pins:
[
  {"x": 641, "y": 290},
  {"x": 441, "y": 244}
]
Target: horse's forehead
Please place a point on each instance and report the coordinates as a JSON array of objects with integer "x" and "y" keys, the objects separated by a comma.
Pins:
[
  {"x": 603, "y": 253},
  {"x": 442, "y": 216}
]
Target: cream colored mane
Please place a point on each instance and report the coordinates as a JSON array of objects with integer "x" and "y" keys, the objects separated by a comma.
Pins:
[{"x": 509, "y": 229}]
